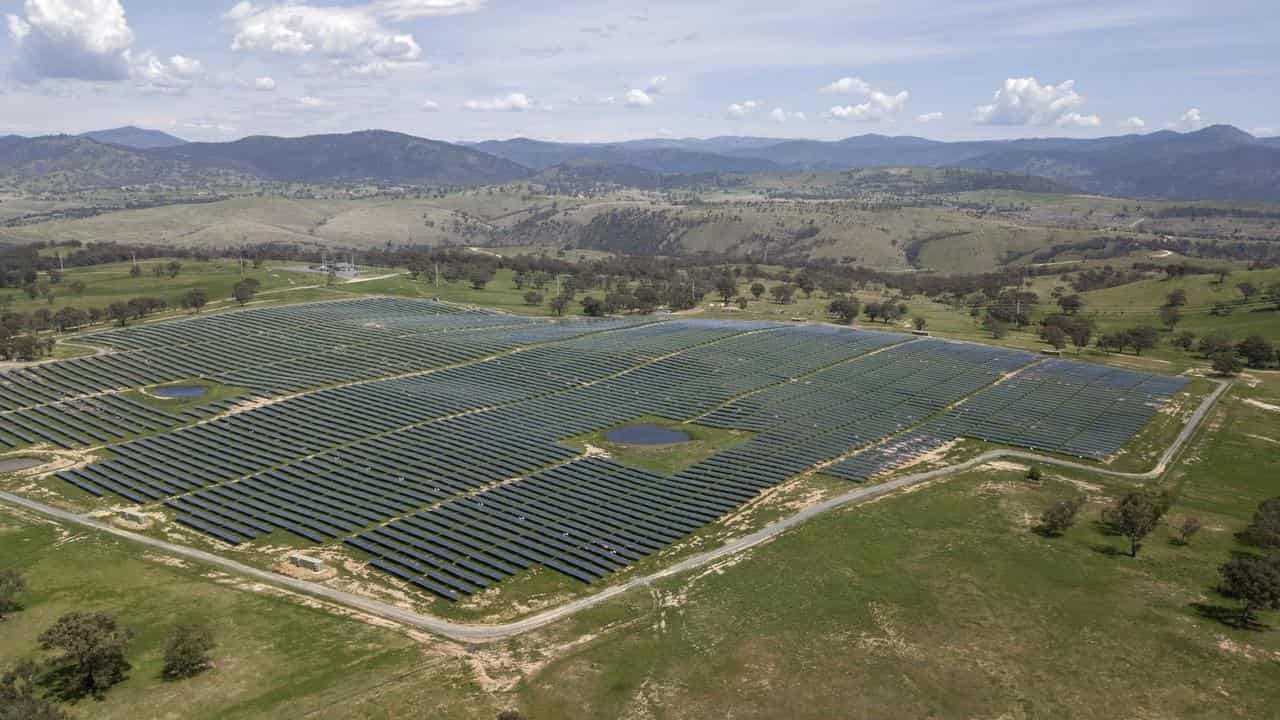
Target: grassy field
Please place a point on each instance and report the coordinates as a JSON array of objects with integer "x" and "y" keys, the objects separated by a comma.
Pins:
[
  {"x": 667, "y": 459},
  {"x": 105, "y": 284}
]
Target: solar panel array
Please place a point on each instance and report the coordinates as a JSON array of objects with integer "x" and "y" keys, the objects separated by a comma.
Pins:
[{"x": 458, "y": 475}]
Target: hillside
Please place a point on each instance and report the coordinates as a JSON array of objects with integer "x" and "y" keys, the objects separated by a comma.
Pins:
[
  {"x": 375, "y": 155},
  {"x": 134, "y": 137},
  {"x": 61, "y": 163}
]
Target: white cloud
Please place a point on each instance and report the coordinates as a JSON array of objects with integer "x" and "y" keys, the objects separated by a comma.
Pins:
[
  {"x": 411, "y": 9},
  {"x": 430, "y": 106},
  {"x": 310, "y": 102},
  {"x": 72, "y": 39},
  {"x": 637, "y": 99},
  {"x": 780, "y": 116},
  {"x": 1024, "y": 101},
  {"x": 929, "y": 117},
  {"x": 174, "y": 76},
  {"x": 878, "y": 106},
  {"x": 352, "y": 35},
  {"x": 515, "y": 102},
  {"x": 847, "y": 86},
  {"x": 264, "y": 84},
  {"x": 656, "y": 85},
  {"x": 743, "y": 109},
  {"x": 1075, "y": 119},
  {"x": 1189, "y": 120},
  {"x": 1133, "y": 122}
]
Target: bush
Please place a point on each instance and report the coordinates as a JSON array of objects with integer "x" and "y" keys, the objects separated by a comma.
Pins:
[
  {"x": 187, "y": 653},
  {"x": 1059, "y": 517}
]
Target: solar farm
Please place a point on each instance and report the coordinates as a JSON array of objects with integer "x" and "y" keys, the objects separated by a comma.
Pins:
[{"x": 433, "y": 440}]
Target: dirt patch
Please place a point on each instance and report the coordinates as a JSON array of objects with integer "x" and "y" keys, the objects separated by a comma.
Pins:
[
  {"x": 1264, "y": 438},
  {"x": 1005, "y": 465},
  {"x": 1262, "y": 405}
]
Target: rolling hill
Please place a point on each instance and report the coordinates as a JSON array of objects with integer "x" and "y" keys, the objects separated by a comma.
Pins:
[{"x": 134, "y": 137}]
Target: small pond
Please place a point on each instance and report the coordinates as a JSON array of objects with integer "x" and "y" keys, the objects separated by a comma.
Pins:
[
  {"x": 8, "y": 465},
  {"x": 645, "y": 434},
  {"x": 179, "y": 391}
]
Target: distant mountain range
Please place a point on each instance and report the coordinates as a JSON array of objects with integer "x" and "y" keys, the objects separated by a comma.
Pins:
[
  {"x": 135, "y": 137},
  {"x": 1216, "y": 163}
]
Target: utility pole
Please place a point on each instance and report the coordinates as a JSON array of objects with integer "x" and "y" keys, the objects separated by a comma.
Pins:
[{"x": 437, "y": 274}]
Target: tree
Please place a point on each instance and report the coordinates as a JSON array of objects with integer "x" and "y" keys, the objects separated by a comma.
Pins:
[
  {"x": 135, "y": 270},
  {"x": 92, "y": 646},
  {"x": 1264, "y": 530},
  {"x": 174, "y": 267},
  {"x": 919, "y": 323},
  {"x": 743, "y": 303},
  {"x": 1177, "y": 298},
  {"x": 757, "y": 290},
  {"x": 510, "y": 715},
  {"x": 559, "y": 304},
  {"x": 1059, "y": 517},
  {"x": 1226, "y": 363},
  {"x": 480, "y": 277},
  {"x": 997, "y": 328},
  {"x": 844, "y": 309},
  {"x": 1187, "y": 528},
  {"x": 1035, "y": 474},
  {"x": 1170, "y": 316},
  {"x": 1256, "y": 351},
  {"x": 533, "y": 298},
  {"x": 195, "y": 299},
  {"x": 245, "y": 290},
  {"x": 1184, "y": 340},
  {"x": 872, "y": 310},
  {"x": 727, "y": 287},
  {"x": 1070, "y": 304},
  {"x": 1135, "y": 516},
  {"x": 18, "y": 699},
  {"x": 1254, "y": 581},
  {"x": 1214, "y": 343},
  {"x": 1247, "y": 290},
  {"x": 591, "y": 307},
  {"x": 782, "y": 294},
  {"x": 11, "y": 586},
  {"x": 119, "y": 312},
  {"x": 1055, "y": 336},
  {"x": 187, "y": 653},
  {"x": 1142, "y": 337}
]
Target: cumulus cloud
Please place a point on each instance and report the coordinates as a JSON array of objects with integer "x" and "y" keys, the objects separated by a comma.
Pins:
[
  {"x": 71, "y": 39},
  {"x": 348, "y": 35},
  {"x": 742, "y": 109},
  {"x": 1189, "y": 120},
  {"x": 637, "y": 99},
  {"x": 847, "y": 86},
  {"x": 174, "y": 76},
  {"x": 1024, "y": 101},
  {"x": 656, "y": 85},
  {"x": 430, "y": 106},
  {"x": 929, "y": 117},
  {"x": 1133, "y": 122},
  {"x": 779, "y": 115},
  {"x": 878, "y": 106},
  {"x": 1075, "y": 119},
  {"x": 264, "y": 84},
  {"x": 515, "y": 102}
]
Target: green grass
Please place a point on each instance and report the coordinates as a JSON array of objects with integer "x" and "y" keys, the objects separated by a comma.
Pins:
[
  {"x": 500, "y": 293},
  {"x": 666, "y": 459},
  {"x": 275, "y": 657},
  {"x": 105, "y": 284},
  {"x": 214, "y": 392}
]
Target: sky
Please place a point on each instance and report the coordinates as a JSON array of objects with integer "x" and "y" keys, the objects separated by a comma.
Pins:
[{"x": 605, "y": 70}]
